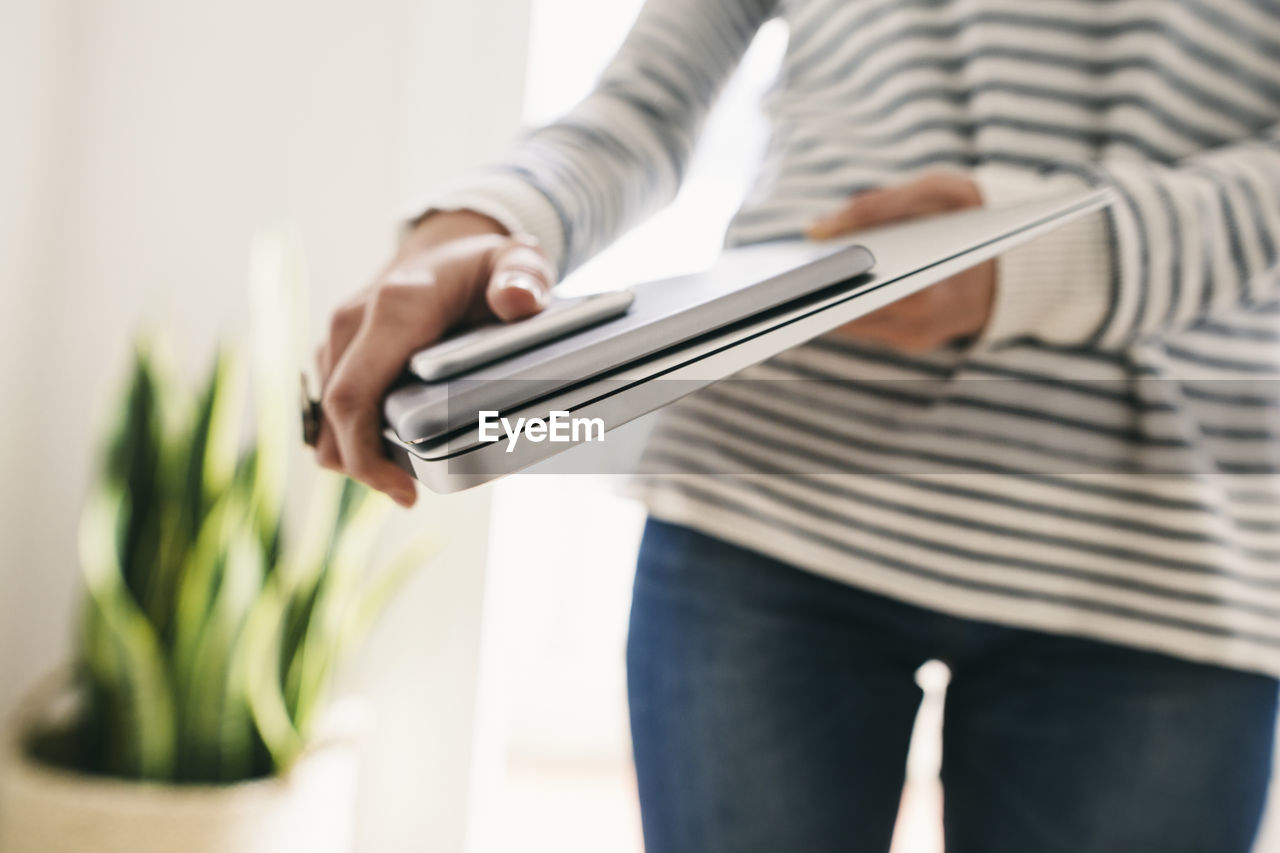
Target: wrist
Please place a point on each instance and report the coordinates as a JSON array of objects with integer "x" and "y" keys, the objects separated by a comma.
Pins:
[{"x": 1054, "y": 288}]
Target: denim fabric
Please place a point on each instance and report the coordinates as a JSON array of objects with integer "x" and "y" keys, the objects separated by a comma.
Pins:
[{"x": 771, "y": 710}]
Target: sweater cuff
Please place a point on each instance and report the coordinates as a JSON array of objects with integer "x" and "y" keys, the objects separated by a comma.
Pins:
[
  {"x": 1056, "y": 288},
  {"x": 513, "y": 203}
]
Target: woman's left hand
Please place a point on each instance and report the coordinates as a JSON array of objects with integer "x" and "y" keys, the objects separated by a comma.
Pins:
[{"x": 957, "y": 307}]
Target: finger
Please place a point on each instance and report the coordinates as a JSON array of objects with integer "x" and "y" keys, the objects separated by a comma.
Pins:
[
  {"x": 919, "y": 307},
  {"x": 355, "y": 421},
  {"x": 877, "y": 207},
  {"x": 341, "y": 332},
  {"x": 324, "y": 362},
  {"x": 871, "y": 324},
  {"x": 520, "y": 284},
  {"x": 930, "y": 194},
  {"x": 398, "y": 319},
  {"x": 911, "y": 323},
  {"x": 343, "y": 326},
  {"x": 874, "y": 324},
  {"x": 327, "y": 448},
  {"x": 908, "y": 337}
]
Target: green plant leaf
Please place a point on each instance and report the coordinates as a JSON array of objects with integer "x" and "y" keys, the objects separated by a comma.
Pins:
[
  {"x": 198, "y": 462},
  {"x": 328, "y": 501},
  {"x": 215, "y": 435},
  {"x": 337, "y": 592},
  {"x": 334, "y": 500},
  {"x": 123, "y": 654},
  {"x": 133, "y": 465},
  {"x": 217, "y": 723},
  {"x": 200, "y": 577},
  {"x": 262, "y": 655}
]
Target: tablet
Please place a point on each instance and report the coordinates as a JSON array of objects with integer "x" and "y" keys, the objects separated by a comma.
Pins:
[
  {"x": 473, "y": 348},
  {"x": 742, "y": 284}
]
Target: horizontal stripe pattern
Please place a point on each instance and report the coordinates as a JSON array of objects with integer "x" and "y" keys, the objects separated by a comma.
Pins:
[{"x": 1124, "y": 486}]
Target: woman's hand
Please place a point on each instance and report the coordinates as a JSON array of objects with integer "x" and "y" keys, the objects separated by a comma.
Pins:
[
  {"x": 957, "y": 307},
  {"x": 453, "y": 269}
]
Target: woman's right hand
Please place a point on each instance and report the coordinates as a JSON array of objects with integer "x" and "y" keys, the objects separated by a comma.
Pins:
[{"x": 452, "y": 269}]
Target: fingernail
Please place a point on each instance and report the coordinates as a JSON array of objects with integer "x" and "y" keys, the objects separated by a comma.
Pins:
[
  {"x": 405, "y": 498},
  {"x": 524, "y": 281},
  {"x": 819, "y": 230}
]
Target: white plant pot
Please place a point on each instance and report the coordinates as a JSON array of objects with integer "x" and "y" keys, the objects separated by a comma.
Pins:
[{"x": 309, "y": 810}]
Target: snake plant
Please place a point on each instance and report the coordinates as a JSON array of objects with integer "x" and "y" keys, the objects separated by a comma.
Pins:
[{"x": 211, "y": 628}]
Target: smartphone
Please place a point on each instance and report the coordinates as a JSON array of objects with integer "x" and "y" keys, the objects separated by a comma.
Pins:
[{"x": 477, "y": 347}]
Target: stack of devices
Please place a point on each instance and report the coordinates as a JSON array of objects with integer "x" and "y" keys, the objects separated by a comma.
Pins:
[{"x": 609, "y": 357}]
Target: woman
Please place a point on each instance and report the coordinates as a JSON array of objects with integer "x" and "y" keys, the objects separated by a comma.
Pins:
[{"x": 1057, "y": 472}]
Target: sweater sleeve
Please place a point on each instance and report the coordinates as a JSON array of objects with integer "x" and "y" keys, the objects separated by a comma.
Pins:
[
  {"x": 621, "y": 153},
  {"x": 1182, "y": 242}
]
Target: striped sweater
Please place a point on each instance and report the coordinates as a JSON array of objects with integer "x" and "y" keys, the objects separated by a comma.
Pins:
[{"x": 1105, "y": 460}]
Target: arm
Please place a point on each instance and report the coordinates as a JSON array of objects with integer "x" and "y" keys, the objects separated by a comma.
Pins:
[
  {"x": 1184, "y": 241},
  {"x": 571, "y": 187},
  {"x": 621, "y": 153}
]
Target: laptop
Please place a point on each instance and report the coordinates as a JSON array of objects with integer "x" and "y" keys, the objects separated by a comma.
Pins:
[
  {"x": 908, "y": 258},
  {"x": 742, "y": 284}
]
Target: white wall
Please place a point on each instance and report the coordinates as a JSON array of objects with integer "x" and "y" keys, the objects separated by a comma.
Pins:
[
  {"x": 34, "y": 76},
  {"x": 146, "y": 141}
]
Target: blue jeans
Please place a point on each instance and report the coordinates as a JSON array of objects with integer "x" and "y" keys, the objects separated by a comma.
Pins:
[{"x": 771, "y": 710}]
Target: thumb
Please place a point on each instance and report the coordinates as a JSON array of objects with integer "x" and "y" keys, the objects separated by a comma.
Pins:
[
  {"x": 928, "y": 195},
  {"x": 859, "y": 211},
  {"x": 520, "y": 285}
]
